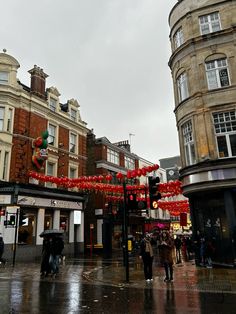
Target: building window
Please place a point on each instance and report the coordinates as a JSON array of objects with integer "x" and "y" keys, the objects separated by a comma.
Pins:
[
  {"x": 179, "y": 37},
  {"x": 9, "y": 119},
  {"x": 5, "y": 166},
  {"x": 3, "y": 77},
  {"x": 182, "y": 86},
  {"x": 51, "y": 134},
  {"x": 72, "y": 173},
  {"x": 73, "y": 142},
  {"x": 129, "y": 163},
  {"x": 51, "y": 171},
  {"x": 188, "y": 143},
  {"x": 113, "y": 156},
  {"x": 209, "y": 23},
  {"x": 225, "y": 129},
  {"x": 217, "y": 73},
  {"x": 52, "y": 104},
  {"x": 73, "y": 115},
  {"x": 2, "y": 111}
]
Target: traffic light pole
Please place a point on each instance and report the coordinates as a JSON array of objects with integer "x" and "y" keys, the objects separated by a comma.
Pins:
[
  {"x": 16, "y": 229},
  {"x": 125, "y": 235}
]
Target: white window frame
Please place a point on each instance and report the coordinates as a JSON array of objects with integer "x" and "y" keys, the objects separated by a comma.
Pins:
[
  {"x": 52, "y": 136},
  {"x": 53, "y": 104},
  {"x": 73, "y": 143},
  {"x": 178, "y": 37},
  {"x": 2, "y": 117},
  {"x": 225, "y": 129},
  {"x": 75, "y": 170},
  {"x": 6, "y": 118},
  {"x": 53, "y": 173},
  {"x": 5, "y": 164},
  {"x": 4, "y": 77},
  {"x": 9, "y": 119},
  {"x": 73, "y": 114},
  {"x": 113, "y": 156},
  {"x": 182, "y": 85},
  {"x": 209, "y": 23},
  {"x": 188, "y": 141},
  {"x": 217, "y": 73},
  {"x": 129, "y": 163}
]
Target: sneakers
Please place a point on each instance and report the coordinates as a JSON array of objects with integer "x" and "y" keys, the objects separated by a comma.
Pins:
[
  {"x": 166, "y": 279},
  {"x": 148, "y": 280}
]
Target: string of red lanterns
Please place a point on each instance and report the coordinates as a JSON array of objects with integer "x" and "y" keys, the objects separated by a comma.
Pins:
[{"x": 115, "y": 192}]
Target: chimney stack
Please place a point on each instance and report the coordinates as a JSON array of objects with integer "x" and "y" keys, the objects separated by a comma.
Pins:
[{"x": 38, "y": 81}]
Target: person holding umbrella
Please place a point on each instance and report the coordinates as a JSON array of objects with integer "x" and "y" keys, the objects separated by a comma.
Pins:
[{"x": 52, "y": 248}]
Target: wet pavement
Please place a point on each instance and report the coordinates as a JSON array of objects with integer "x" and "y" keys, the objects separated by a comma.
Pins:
[{"x": 96, "y": 285}]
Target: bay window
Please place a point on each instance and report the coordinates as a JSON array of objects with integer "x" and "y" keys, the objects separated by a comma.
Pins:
[{"x": 225, "y": 130}]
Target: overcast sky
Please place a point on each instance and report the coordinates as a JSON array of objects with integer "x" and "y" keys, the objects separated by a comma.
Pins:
[{"x": 110, "y": 55}]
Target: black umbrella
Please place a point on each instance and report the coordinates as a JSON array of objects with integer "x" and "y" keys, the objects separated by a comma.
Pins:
[{"x": 51, "y": 232}]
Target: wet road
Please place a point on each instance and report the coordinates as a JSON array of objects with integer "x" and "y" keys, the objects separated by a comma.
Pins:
[{"x": 97, "y": 286}]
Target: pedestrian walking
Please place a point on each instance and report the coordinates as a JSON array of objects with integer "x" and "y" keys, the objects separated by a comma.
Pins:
[
  {"x": 209, "y": 252},
  {"x": 166, "y": 257},
  {"x": 45, "y": 266},
  {"x": 146, "y": 253},
  {"x": 2, "y": 260},
  {"x": 56, "y": 248},
  {"x": 178, "y": 245}
]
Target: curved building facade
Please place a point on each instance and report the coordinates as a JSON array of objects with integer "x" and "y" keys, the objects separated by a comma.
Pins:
[{"x": 203, "y": 66}]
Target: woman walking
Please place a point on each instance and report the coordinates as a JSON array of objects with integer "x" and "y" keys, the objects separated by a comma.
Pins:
[
  {"x": 166, "y": 256},
  {"x": 146, "y": 253}
]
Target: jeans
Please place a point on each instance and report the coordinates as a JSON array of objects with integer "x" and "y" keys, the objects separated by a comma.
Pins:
[{"x": 54, "y": 263}]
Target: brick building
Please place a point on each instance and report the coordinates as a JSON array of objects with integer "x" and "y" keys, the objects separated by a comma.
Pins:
[
  {"x": 203, "y": 67},
  {"x": 26, "y": 113},
  {"x": 106, "y": 217}
]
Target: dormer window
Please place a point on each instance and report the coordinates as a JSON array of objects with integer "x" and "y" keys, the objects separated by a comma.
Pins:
[
  {"x": 3, "y": 77},
  {"x": 52, "y": 104},
  {"x": 73, "y": 114}
]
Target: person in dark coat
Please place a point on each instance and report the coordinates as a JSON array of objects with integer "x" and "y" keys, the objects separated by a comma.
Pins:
[
  {"x": 166, "y": 254},
  {"x": 45, "y": 266},
  {"x": 178, "y": 245},
  {"x": 56, "y": 248},
  {"x": 2, "y": 260},
  {"x": 146, "y": 253}
]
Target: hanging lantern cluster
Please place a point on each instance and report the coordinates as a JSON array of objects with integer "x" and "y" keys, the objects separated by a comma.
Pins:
[{"x": 175, "y": 207}]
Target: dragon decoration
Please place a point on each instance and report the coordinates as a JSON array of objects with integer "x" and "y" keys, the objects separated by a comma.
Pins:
[{"x": 40, "y": 152}]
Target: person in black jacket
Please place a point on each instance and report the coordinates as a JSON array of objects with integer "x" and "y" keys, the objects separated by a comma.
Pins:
[
  {"x": 146, "y": 253},
  {"x": 56, "y": 248},
  {"x": 2, "y": 260}
]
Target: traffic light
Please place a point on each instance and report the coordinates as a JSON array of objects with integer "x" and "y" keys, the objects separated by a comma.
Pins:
[
  {"x": 154, "y": 195},
  {"x": 22, "y": 218},
  {"x": 132, "y": 203},
  {"x": 12, "y": 220}
]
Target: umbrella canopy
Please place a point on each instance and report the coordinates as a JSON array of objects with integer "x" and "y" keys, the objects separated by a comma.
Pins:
[{"x": 51, "y": 232}]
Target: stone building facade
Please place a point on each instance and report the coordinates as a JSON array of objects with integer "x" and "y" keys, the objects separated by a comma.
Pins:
[
  {"x": 25, "y": 114},
  {"x": 203, "y": 67}
]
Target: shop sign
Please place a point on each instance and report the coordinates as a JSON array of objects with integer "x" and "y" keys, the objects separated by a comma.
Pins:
[
  {"x": 5, "y": 199},
  {"x": 47, "y": 202}
]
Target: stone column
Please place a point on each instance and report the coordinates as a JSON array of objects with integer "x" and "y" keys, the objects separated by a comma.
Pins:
[
  {"x": 56, "y": 219},
  {"x": 40, "y": 225}
]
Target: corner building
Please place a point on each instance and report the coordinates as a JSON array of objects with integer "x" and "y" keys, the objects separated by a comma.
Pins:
[
  {"x": 203, "y": 66},
  {"x": 26, "y": 113}
]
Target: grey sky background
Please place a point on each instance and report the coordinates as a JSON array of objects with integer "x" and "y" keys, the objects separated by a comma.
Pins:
[{"x": 110, "y": 55}]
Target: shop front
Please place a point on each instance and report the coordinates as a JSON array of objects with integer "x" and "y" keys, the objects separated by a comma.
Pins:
[{"x": 27, "y": 210}]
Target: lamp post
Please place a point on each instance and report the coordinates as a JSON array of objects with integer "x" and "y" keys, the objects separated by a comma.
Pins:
[{"x": 125, "y": 233}]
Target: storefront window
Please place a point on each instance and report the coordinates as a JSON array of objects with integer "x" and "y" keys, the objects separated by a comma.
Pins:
[
  {"x": 27, "y": 227},
  {"x": 64, "y": 224}
]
